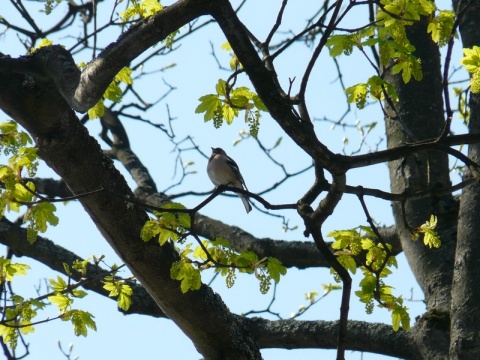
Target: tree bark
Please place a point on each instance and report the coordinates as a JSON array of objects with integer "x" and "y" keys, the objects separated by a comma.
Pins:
[
  {"x": 465, "y": 342},
  {"x": 427, "y": 170},
  {"x": 419, "y": 115}
]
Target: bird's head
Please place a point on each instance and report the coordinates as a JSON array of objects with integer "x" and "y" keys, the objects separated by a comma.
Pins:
[{"x": 218, "y": 151}]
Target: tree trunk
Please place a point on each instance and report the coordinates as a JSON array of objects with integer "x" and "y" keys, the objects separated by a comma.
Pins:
[
  {"x": 465, "y": 312},
  {"x": 420, "y": 112}
]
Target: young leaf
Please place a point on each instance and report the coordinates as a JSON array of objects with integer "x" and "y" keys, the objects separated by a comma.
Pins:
[
  {"x": 61, "y": 300},
  {"x": 58, "y": 285},
  {"x": 124, "y": 76},
  {"x": 209, "y": 104},
  {"x": 275, "y": 269},
  {"x": 81, "y": 320},
  {"x": 97, "y": 111}
]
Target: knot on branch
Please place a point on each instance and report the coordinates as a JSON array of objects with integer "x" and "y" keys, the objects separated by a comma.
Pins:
[{"x": 306, "y": 212}]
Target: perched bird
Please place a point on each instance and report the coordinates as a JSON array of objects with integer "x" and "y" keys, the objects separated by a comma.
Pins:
[{"x": 223, "y": 170}]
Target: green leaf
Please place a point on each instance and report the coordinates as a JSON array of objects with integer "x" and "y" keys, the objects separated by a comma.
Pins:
[
  {"x": 181, "y": 218},
  {"x": 357, "y": 94},
  {"x": 142, "y": 9},
  {"x": 113, "y": 93},
  {"x": 221, "y": 87},
  {"x": 37, "y": 303},
  {"x": 18, "y": 269},
  {"x": 239, "y": 100},
  {"x": 409, "y": 67},
  {"x": 246, "y": 259},
  {"x": 220, "y": 242},
  {"x": 431, "y": 238},
  {"x": 396, "y": 320},
  {"x": 226, "y": 46},
  {"x": 339, "y": 44},
  {"x": 66, "y": 267},
  {"x": 25, "y": 157},
  {"x": 58, "y": 285},
  {"x": 43, "y": 43},
  {"x": 344, "y": 238},
  {"x": 25, "y": 329},
  {"x": 189, "y": 276},
  {"x": 112, "y": 286},
  {"x": 400, "y": 316},
  {"x": 229, "y": 113},
  {"x": 368, "y": 283},
  {"x": 124, "y": 300},
  {"x": 79, "y": 293},
  {"x": 81, "y": 266},
  {"x": 149, "y": 230},
  {"x": 81, "y": 320},
  {"x": 97, "y": 111},
  {"x": 9, "y": 335},
  {"x": 120, "y": 290},
  {"x": 348, "y": 263},
  {"x": 471, "y": 60},
  {"x": 275, "y": 269},
  {"x": 61, "y": 300},
  {"x": 441, "y": 27},
  {"x": 199, "y": 252},
  {"x": 8, "y": 127},
  {"x": 234, "y": 62},
  {"x": 367, "y": 244},
  {"x": 170, "y": 39},
  {"x": 10, "y": 270},
  {"x": 124, "y": 76},
  {"x": 39, "y": 216},
  {"x": 166, "y": 235},
  {"x": 168, "y": 226},
  {"x": 22, "y": 194},
  {"x": 475, "y": 83},
  {"x": 209, "y": 104}
]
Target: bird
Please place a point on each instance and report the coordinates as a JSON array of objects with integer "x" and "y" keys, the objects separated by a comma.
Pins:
[{"x": 223, "y": 170}]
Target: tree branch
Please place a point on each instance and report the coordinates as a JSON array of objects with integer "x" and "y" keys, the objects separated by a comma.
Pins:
[
  {"x": 53, "y": 256},
  {"x": 361, "y": 336}
]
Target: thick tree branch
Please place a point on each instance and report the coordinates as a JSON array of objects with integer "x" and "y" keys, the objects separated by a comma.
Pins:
[
  {"x": 61, "y": 141},
  {"x": 361, "y": 336}
]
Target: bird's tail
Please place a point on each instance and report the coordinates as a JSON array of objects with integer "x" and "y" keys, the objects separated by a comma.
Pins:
[{"x": 246, "y": 203}]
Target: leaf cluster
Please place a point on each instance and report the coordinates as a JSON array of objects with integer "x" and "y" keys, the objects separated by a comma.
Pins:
[
  {"x": 217, "y": 254},
  {"x": 16, "y": 191},
  {"x": 49, "y": 5},
  {"x": 226, "y": 104},
  {"x": 226, "y": 261},
  {"x": 430, "y": 236},
  {"x": 388, "y": 32},
  {"x": 142, "y": 9},
  {"x": 471, "y": 62},
  {"x": 167, "y": 226},
  {"x": 375, "y": 87},
  {"x": 375, "y": 267},
  {"x": 17, "y": 317},
  {"x": 118, "y": 288}
]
